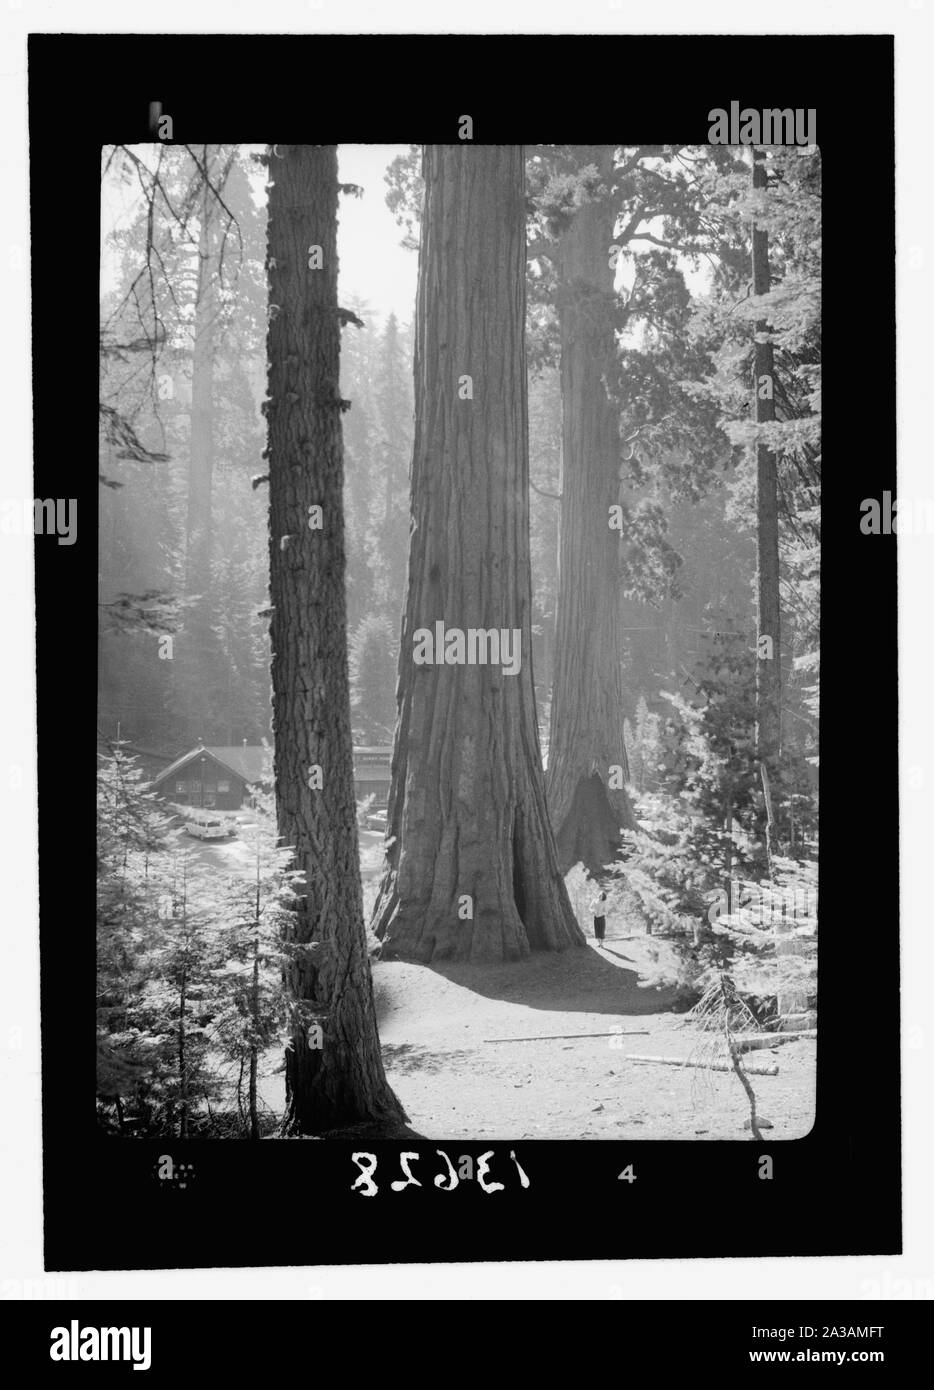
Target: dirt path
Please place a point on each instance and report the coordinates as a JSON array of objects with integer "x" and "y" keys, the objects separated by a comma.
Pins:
[{"x": 454, "y": 1084}]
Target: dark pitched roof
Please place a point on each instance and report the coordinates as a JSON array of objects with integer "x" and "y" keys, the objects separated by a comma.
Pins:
[{"x": 252, "y": 763}]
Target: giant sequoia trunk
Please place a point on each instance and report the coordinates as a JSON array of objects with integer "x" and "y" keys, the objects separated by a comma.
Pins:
[
  {"x": 471, "y": 873},
  {"x": 342, "y": 1081},
  {"x": 586, "y": 737},
  {"x": 769, "y": 662}
]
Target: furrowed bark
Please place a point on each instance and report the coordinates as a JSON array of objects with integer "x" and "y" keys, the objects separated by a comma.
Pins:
[
  {"x": 342, "y": 1082},
  {"x": 468, "y": 828},
  {"x": 586, "y": 736}
]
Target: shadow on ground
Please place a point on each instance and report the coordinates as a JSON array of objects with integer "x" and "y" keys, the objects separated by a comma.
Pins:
[{"x": 579, "y": 980}]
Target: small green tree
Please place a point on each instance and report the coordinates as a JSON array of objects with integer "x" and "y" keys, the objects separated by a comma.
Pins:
[
  {"x": 179, "y": 997},
  {"x": 697, "y": 865},
  {"x": 713, "y": 761},
  {"x": 253, "y": 914},
  {"x": 772, "y": 935},
  {"x": 132, "y": 832}
]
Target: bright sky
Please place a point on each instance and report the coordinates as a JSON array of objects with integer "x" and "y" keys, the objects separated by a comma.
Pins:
[{"x": 373, "y": 266}]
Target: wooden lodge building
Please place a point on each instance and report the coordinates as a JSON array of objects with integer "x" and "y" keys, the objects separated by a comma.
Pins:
[
  {"x": 223, "y": 777},
  {"x": 220, "y": 777}
]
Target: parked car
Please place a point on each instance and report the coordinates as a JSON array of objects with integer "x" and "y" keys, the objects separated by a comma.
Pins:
[
  {"x": 204, "y": 825},
  {"x": 376, "y": 820}
]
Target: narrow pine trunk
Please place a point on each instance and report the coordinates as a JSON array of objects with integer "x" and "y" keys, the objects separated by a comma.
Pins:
[
  {"x": 254, "y": 1010},
  {"x": 586, "y": 738},
  {"x": 472, "y": 872},
  {"x": 243, "y": 1118},
  {"x": 182, "y": 1058},
  {"x": 768, "y": 664},
  {"x": 198, "y": 533},
  {"x": 341, "y": 1082}
]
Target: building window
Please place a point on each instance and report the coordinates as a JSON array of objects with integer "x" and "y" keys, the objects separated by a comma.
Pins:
[{"x": 224, "y": 785}]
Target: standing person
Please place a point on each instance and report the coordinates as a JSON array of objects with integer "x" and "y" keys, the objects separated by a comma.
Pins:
[{"x": 598, "y": 909}]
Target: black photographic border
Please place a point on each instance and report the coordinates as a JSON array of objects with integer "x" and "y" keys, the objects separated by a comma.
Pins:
[{"x": 836, "y": 1191}]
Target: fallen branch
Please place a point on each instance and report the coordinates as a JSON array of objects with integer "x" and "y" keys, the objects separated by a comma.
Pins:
[
  {"x": 717, "y": 1064},
  {"x": 547, "y": 1037}
]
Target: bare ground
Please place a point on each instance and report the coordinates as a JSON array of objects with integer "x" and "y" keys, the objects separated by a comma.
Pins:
[{"x": 436, "y": 1023}]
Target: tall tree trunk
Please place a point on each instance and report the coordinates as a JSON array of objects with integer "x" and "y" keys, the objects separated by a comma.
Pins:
[
  {"x": 472, "y": 872},
  {"x": 197, "y": 671},
  {"x": 586, "y": 737},
  {"x": 254, "y": 1013},
  {"x": 341, "y": 1082},
  {"x": 768, "y": 664},
  {"x": 243, "y": 1117},
  {"x": 183, "y": 1056},
  {"x": 198, "y": 536}
]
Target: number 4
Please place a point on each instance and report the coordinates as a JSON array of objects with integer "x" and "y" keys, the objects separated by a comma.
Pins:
[{"x": 627, "y": 1175}]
